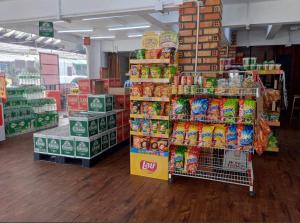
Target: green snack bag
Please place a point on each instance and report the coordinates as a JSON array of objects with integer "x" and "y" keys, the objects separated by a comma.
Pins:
[
  {"x": 210, "y": 85},
  {"x": 247, "y": 110},
  {"x": 163, "y": 127},
  {"x": 179, "y": 158},
  {"x": 145, "y": 72},
  {"x": 154, "y": 126},
  {"x": 156, "y": 108},
  {"x": 229, "y": 110},
  {"x": 170, "y": 71},
  {"x": 156, "y": 72}
]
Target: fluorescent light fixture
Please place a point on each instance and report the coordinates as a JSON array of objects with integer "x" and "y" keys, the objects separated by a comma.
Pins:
[
  {"x": 76, "y": 31},
  {"x": 104, "y": 17},
  {"x": 128, "y": 27},
  {"x": 8, "y": 34},
  {"x": 20, "y": 35},
  {"x": 135, "y": 35},
  {"x": 48, "y": 41},
  {"x": 40, "y": 39},
  {"x": 103, "y": 37},
  {"x": 57, "y": 41},
  {"x": 58, "y": 21}
]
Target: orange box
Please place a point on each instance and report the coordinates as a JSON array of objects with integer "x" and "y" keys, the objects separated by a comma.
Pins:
[
  {"x": 73, "y": 102},
  {"x": 91, "y": 86},
  {"x": 83, "y": 102},
  {"x": 56, "y": 95}
]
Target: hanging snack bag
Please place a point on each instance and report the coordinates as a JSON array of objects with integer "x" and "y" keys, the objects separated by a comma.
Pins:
[
  {"x": 191, "y": 136},
  {"x": 135, "y": 107},
  {"x": 178, "y": 133},
  {"x": 137, "y": 90},
  {"x": 231, "y": 136},
  {"x": 163, "y": 145},
  {"x": 154, "y": 144},
  {"x": 245, "y": 136},
  {"x": 179, "y": 107},
  {"x": 191, "y": 160},
  {"x": 207, "y": 135},
  {"x": 199, "y": 108},
  {"x": 247, "y": 109},
  {"x": 229, "y": 108},
  {"x": 154, "y": 126},
  {"x": 210, "y": 85},
  {"x": 137, "y": 142},
  {"x": 135, "y": 125},
  {"x": 145, "y": 72},
  {"x": 146, "y": 126},
  {"x": 179, "y": 158},
  {"x": 155, "y": 72},
  {"x": 214, "y": 109},
  {"x": 148, "y": 89},
  {"x": 219, "y": 136},
  {"x": 163, "y": 127}
]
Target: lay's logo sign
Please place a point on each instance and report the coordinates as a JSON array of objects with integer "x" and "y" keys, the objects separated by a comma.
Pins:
[{"x": 148, "y": 166}]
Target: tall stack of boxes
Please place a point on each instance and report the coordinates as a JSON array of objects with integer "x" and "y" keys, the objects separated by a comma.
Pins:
[{"x": 209, "y": 35}]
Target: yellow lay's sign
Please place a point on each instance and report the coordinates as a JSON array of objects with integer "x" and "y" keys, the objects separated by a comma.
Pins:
[{"x": 149, "y": 165}]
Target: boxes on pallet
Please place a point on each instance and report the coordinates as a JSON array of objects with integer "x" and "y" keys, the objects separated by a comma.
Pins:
[
  {"x": 67, "y": 146},
  {"x": 19, "y": 126},
  {"x": 87, "y": 147},
  {"x": 83, "y": 125},
  {"x": 100, "y": 103}
]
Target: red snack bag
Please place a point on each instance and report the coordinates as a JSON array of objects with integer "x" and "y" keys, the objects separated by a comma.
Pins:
[
  {"x": 191, "y": 160},
  {"x": 137, "y": 90},
  {"x": 200, "y": 125}
]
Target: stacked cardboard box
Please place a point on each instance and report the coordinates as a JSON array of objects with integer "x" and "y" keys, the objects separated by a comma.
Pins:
[{"x": 208, "y": 39}]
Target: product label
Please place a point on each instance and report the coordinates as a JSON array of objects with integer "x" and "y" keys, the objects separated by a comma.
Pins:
[
  {"x": 96, "y": 104},
  {"x": 40, "y": 144},
  {"x": 102, "y": 124},
  {"x": 78, "y": 128},
  {"x": 105, "y": 142},
  {"x": 67, "y": 148},
  {"x": 82, "y": 149},
  {"x": 53, "y": 146},
  {"x": 149, "y": 167}
]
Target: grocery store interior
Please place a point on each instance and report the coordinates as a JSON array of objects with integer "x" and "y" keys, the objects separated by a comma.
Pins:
[{"x": 149, "y": 111}]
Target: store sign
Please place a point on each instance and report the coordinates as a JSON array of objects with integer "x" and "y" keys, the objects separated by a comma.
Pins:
[
  {"x": 46, "y": 29},
  {"x": 3, "y": 95}
]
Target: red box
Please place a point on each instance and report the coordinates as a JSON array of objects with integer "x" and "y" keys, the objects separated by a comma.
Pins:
[
  {"x": 83, "y": 102},
  {"x": 126, "y": 132},
  {"x": 126, "y": 115},
  {"x": 73, "y": 102},
  {"x": 120, "y": 134},
  {"x": 119, "y": 118},
  {"x": 56, "y": 95},
  {"x": 91, "y": 86},
  {"x": 85, "y": 86},
  {"x": 122, "y": 101}
]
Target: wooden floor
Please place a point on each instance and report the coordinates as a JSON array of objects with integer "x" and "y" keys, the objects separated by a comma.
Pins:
[{"x": 41, "y": 191}]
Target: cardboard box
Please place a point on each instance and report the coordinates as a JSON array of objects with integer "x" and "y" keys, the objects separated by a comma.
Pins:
[
  {"x": 40, "y": 143},
  {"x": 53, "y": 144},
  {"x": 73, "y": 102},
  {"x": 56, "y": 95},
  {"x": 67, "y": 146},
  {"x": 111, "y": 120},
  {"x": 100, "y": 103},
  {"x": 87, "y": 147},
  {"x": 113, "y": 138},
  {"x": 105, "y": 142},
  {"x": 84, "y": 126},
  {"x": 119, "y": 91},
  {"x": 120, "y": 134},
  {"x": 148, "y": 165},
  {"x": 83, "y": 102},
  {"x": 102, "y": 124},
  {"x": 91, "y": 86}
]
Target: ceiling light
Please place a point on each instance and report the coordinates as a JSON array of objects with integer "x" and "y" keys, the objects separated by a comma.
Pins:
[
  {"x": 57, "y": 41},
  {"x": 48, "y": 40},
  {"x": 58, "y": 21},
  {"x": 128, "y": 27},
  {"x": 76, "y": 31},
  {"x": 21, "y": 35},
  {"x": 135, "y": 35},
  {"x": 40, "y": 39},
  {"x": 8, "y": 34},
  {"x": 105, "y": 17},
  {"x": 103, "y": 37}
]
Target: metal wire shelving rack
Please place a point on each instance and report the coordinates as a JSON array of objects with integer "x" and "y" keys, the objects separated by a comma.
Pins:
[{"x": 227, "y": 164}]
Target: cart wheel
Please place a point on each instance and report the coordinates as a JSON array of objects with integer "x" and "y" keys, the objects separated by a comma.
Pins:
[{"x": 252, "y": 193}]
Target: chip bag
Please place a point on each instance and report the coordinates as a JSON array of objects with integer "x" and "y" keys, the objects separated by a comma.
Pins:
[
  {"x": 180, "y": 107},
  {"x": 148, "y": 89},
  {"x": 245, "y": 136},
  {"x": 247, "y": 109},
  {"x": 210, "y": 85},
  {"x": 156, "y": 108},
  {"x": 163, "y": 145},
  {"x": 191, "y": 160},
  {"x": 154, "y": 126},
  {"x": 219, "y": 136},
  {"x": 207, "y": 135},
  {"x": 229, "y": 108},
  {"x": 146, "y": 108},
  {"x": 163, "y": 127},
  {"x": 146, "y": 126},
  {"x": 178, "y": 134},
  {"x": 213, "y": 112},
  {"x": 135, "y": 107},
  {"x": 137, "y": 90},
  {"x": 179, "y": 158},
  {"x": 135, "y": 125},
  {"x": 172, "y": 159},
  {"x": 199, "y": 108},
  {"x": 137, "y": 142},
  {"x": 231, "y": 136},
  {"x": 154, "y": 144},
  {"x": 191, "y": 136},
  {"x": 145, "y": 143}
]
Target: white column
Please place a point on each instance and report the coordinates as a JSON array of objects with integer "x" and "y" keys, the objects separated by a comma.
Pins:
[{"x": 95, "y": 59}]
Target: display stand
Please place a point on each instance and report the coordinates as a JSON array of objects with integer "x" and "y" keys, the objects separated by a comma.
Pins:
[{"x": 228, "y": 164}]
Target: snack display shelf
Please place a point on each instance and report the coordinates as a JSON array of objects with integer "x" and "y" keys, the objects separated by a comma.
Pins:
[
  {"x": 150, "y": 61},
  {"x": 163, "y": 136},
  {"x": 155, "y": 117},
  {"x": 150, "y": 152},
  {"x": 162, "y": 99},
  {"x": 270, "y": 72},
  {"x": 224, "y": 92},
  {"x": 216, "y": 165},
  {"x": 150, "y": 80},
  {"x": 230, "y": 121}
]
